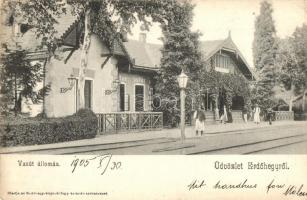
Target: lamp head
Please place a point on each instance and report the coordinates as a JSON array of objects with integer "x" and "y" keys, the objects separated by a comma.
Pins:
[
  {"x": 71, "y": 80},
  {"x": 182, "y": 80}
]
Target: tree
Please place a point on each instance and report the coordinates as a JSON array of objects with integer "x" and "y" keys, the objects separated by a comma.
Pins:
[
  {"x": 106, "y": 18},
  {"x": 291, "y": 74},
  {"x": 264, "y": 37},
  {"x": 264, "y": 52},
  {"x": 299, "y": 43},
  {"x": 19, "y": 79},
  {"x": 180, "y": 52}
]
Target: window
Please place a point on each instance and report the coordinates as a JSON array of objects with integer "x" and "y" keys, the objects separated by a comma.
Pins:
[
  {"x": 139, "y": 98},
  {"x": 221, "y": 61},
  {"x": 124, "y": 98}
]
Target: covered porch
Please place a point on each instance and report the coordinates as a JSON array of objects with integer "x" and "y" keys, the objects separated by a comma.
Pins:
[{"x": 213, "y": 104}]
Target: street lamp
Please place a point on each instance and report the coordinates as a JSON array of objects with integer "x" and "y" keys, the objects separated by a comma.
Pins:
[
  {"x": 182, "y": 80},
  {"x": 71, "y": 82}
]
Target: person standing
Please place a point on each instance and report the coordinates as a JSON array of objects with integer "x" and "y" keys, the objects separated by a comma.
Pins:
[
  {"x": 270, "y": 115},
  {"x": 224, "y": 117},
  {"x": 200, "y": 117},
  {"x": 257, "y": 114},
  {"x": 244, "y": 112}
]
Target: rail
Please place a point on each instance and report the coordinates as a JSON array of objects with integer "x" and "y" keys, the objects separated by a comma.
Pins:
[
  {"x": 129, "y": 121},
  {"x": 283, "y": 115}
]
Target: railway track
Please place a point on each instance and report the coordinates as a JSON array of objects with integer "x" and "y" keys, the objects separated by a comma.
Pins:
[
  {"x": 96, "y": 147},
  {"x": 232, "y": 142},
  {"x": 255, "y": 146}
]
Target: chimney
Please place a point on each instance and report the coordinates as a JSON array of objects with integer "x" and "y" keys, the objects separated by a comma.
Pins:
[
  {"x": 142, "y": 37},
  {"x": 229, "y": 34}
]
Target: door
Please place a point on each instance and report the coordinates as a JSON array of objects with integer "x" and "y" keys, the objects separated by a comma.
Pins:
[
  {"x": 139, "y": 98},
  {"x": 88, "y": 94}
]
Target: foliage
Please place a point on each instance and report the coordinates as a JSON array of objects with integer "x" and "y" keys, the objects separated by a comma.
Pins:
[
  {"x": 291, "y": 75},
  {"x": 291, "y": 60},
  {"x": 299, "y": 40},
  {"x": 180, "y": 52},
  {"x": 227, "y": 86},
  {"x": 264, "y": 52},
  {"x": 44, "y": 131},
  {"x": 39, "y": 15},
  {"x": 264, "y": 43},
  {"x": 85, "y": 113},
  {"x": 19, "y": 79},
  {"x": 107, "y": 17}
]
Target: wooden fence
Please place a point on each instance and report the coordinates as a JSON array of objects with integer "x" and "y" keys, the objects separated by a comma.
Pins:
[
  {"x": 128, "y": 121},
  {"x": 283, "y": 115}
]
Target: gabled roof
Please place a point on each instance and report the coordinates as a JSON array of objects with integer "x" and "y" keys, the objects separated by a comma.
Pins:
[
  {"x": 64, "y": 24},
  {"x": 148, "y": 55},
  {"x": 144, "y": 55},
  {"x": 140, "y": 54},
  {"x": 209, "y": 48}
]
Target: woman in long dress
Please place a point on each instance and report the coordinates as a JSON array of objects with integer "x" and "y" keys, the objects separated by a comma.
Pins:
[
  {"x": 200, "y": 117},
  {"x": 224, "y": 117},
  {"x": 257, "y": 114}
]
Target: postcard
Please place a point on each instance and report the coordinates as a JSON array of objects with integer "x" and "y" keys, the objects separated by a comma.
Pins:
[{"x": 153, "y": 99}]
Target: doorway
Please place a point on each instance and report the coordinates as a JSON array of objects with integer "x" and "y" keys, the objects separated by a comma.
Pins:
[{"x": 88, "y": 85}]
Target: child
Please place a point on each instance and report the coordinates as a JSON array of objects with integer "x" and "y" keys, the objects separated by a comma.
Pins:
[{"x": 200, "y": 117}]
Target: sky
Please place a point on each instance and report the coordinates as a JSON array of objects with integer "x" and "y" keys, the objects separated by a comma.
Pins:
[{"x": 215, "y": 18}]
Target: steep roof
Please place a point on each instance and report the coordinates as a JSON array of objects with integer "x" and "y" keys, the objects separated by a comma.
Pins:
[
  {"x": 141, "y": 54},
  {"x": 207, "y": 47},
  {"x": 144, "y": 55},
  {"x": 148, "y": 55},
  {"x": 64, "y": 24}
]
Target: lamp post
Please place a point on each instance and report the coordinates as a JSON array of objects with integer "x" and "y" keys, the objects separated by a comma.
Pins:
[{"x": 182, "y": 80}]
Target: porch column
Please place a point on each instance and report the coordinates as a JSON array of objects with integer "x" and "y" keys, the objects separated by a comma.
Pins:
[{"x": 216, "y": 110}]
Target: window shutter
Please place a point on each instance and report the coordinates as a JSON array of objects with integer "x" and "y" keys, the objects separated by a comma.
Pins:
[{"x": 127, "y": 102}]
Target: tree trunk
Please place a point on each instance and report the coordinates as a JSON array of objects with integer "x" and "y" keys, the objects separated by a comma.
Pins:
[
  {"x": 15, "y": 98},
  {"x": 291, "y": 97},
  {"x": 44, "y": 85},
  {"x": 83, "y": 64},
  {"x": 304, "y": 100}
]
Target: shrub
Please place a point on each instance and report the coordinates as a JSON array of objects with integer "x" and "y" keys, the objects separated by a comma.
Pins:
[
  {"x": 84, "y": 113},
  {"x": 31, "y": 131}
]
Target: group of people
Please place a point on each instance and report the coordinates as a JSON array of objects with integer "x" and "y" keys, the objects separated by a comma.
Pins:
[
  {"x": 256, "y": 114},
  {"x": 200, "y": 117}
]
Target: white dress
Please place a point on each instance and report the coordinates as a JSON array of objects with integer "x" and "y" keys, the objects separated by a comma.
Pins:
[
  {"x": 199, "y": 125},
  {"x": 224, "y": 117},
  {"x": 257, "y": 115}
]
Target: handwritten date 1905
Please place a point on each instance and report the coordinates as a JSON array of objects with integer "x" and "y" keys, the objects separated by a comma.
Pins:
[{"x": 101, "y": 161}]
